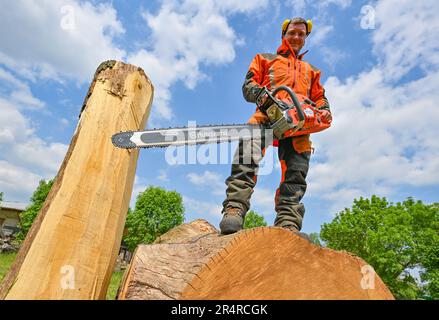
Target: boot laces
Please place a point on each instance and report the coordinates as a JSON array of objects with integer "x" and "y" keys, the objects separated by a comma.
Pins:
[{"x": 233, "y": 212}]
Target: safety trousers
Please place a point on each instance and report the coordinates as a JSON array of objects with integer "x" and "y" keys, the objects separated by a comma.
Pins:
[{"x": 292, "y": 187}]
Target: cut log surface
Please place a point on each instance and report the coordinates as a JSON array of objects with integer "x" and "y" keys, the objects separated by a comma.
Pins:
[
  {"x": 261, "y": 263},
  {"x": 162, "y": 270},
  {"x": 70, "y": 251}
]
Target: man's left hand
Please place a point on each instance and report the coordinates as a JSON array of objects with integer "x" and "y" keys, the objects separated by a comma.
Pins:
[{"x": 326, "y": 115}]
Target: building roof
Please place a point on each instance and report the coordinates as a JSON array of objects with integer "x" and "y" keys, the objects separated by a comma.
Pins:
[{"x": 19, "y": 206}]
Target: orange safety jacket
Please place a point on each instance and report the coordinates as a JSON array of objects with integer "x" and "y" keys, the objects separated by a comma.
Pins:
[{"x": 284, "y": 68}]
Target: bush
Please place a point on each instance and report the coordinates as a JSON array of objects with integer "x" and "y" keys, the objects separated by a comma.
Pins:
[
  {"x": 156, "y": 212},
  {"x": 252, "y": 220},
  {"x": 28, "y": 216}
]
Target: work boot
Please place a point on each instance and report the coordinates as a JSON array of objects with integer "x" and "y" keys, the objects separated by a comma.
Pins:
[
  {"x": 294, "y": 230},
  {"x": 233, "y": 221}
]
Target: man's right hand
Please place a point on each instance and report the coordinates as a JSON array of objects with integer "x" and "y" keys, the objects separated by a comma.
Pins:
[{"x": 263, "y": 102}]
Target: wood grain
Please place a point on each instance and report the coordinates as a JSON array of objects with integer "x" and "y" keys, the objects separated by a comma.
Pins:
[
  {"x": 262, "y": 263},
  {"x": 76, "y": 236}
]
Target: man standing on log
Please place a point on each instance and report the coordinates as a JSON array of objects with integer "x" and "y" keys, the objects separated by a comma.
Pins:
[{"x": 273, "y": 70}]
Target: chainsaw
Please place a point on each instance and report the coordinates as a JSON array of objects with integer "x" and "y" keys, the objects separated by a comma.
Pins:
[{"x": 295, "y": 116}]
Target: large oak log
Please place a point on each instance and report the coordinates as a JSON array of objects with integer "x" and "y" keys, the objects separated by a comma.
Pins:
[
  {"x": 195, "y": 262},
  {"x": 70, "y": 251}
]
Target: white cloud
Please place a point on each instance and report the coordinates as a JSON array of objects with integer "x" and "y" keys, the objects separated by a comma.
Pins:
[
  {"x": 202, "y": 209},
  {"x": 332, "y": 56},
  {"x": 341, "y": 3},
  {"x": 24, "y": 158},
  {"x": 67, "y": 39},
  {"x": 26, "y": 99},
  {"x": 233, "y": 6},
  {"x": 262, "y": 201},
  {"x": 208, "y": 178},
  {"x": 38, "y": 43},
  {"x": 19, "y": 143},
  {"x": 38, "y": 153},
  {"x": 12, "y": 123},
  {"x": 375, "y": 126},
  {"x": 163, "y": 175},
  {"x": 200, "y": 35},
  {"x": 404, "y": 38},
  {"x": 57, "y": 38},
  {"x": 18, "y": 91},
  {"x": 16, "y": 182},
  {"x": 319, "y": 34},
  {"x": 299, "y": 7},
  {"x": 140, "y": 185},
  {"x": 64, "y": 121},
  {"x": 212, "y": 180},
  {"x": 23, "y": 150},
  {"x": 11, "y": 81},
  {"x": 384, "y": 133}
]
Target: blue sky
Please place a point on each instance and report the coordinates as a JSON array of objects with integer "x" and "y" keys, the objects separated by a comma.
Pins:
[{"x": 379, "y": 62}]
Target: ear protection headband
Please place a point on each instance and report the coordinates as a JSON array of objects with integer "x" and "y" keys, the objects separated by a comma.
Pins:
[{"x": 286, "y": 23}]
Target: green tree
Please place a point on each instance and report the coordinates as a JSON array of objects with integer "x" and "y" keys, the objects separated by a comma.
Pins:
[
  {"x": 28, "y": 216},
  {"x": 1, "y": 199},
  {"x": 156, "y": 212},
  {"x": 400, "y": 241},
  {"x": 252, "y": 220},
  {"x": 315, "y": 238}
]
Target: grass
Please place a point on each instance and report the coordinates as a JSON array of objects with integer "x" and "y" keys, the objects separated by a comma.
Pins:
[
  {"x": 115, "y": 280},
  {"x": 6, "y": 260}
]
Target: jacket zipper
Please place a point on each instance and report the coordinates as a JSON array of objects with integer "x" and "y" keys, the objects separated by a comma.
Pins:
[
  {"x": 294, "y": 75},
  {"x": 288, "y": 70}
]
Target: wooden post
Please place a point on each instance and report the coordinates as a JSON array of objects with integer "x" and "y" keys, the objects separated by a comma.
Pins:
[{"x": 71, "y": 249}]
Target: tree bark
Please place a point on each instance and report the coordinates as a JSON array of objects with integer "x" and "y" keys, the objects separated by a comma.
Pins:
[
  {"x": 70, "y": 251},
  {"x": 261, "y": 263}
]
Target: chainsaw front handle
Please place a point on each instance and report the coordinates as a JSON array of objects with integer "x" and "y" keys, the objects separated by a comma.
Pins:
[
  {"x": 293, "y": 96},
  {"x": 266, "y": 98}
]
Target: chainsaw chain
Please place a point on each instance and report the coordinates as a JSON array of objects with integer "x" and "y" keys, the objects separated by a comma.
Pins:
[{"x": 198, "y": 127}]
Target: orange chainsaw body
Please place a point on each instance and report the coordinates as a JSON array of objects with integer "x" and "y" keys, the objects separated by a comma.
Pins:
[{"x": 313, "y": 120}]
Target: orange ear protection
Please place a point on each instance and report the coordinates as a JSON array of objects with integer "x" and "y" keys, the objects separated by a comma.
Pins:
[{"x": 287, "y": 22}]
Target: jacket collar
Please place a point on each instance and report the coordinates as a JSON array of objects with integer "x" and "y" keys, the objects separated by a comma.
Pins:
[{"x": 285, "y": 50}]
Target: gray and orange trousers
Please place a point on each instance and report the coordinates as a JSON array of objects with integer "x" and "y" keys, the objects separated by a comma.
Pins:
[{"x": 243, "y": 178}]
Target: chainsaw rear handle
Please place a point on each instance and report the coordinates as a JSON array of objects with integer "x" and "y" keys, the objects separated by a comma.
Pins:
[{"x": 263, "y": 105}]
